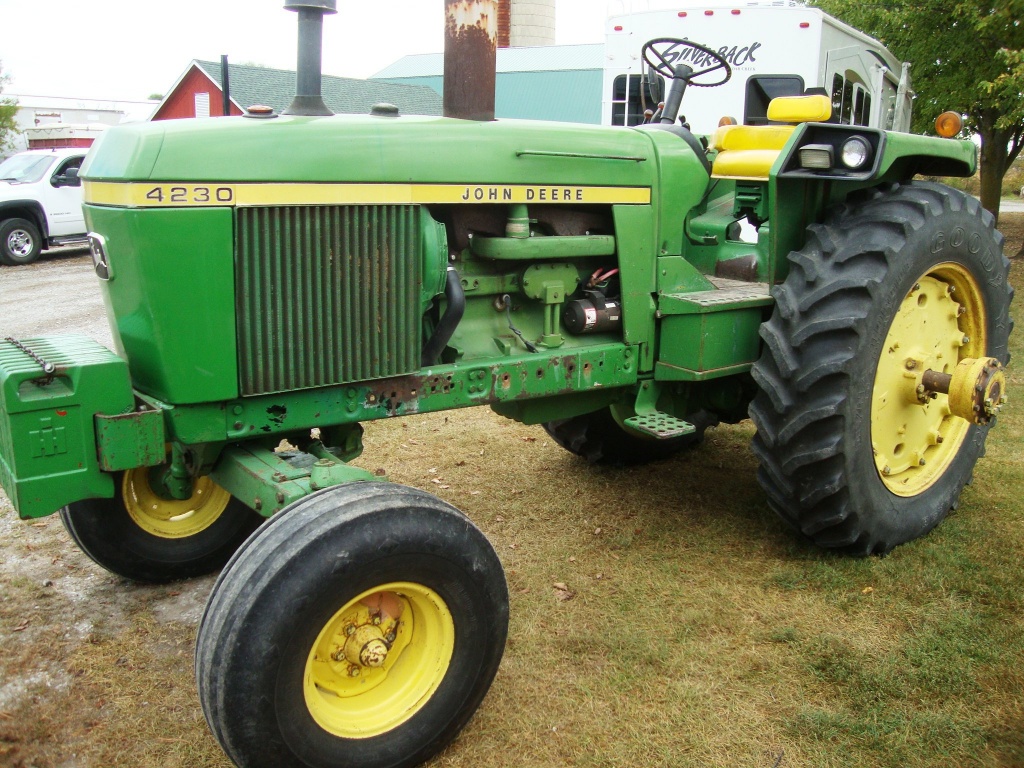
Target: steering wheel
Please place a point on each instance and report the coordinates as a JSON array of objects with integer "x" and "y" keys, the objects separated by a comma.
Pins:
[{"x": 664, "y": 54}]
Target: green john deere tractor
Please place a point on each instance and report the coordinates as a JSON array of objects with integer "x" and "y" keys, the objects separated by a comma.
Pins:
[{"x": 287, "y": 277}]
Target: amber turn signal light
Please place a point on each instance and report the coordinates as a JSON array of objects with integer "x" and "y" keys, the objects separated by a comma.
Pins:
[{"x": 948, "y": 125}]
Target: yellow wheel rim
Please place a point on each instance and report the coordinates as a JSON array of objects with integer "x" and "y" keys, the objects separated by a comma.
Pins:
[
  {"x": 378, "y": 660},
  {"x": 940, "y": 322},
  {"x": 172, "y": 518}
]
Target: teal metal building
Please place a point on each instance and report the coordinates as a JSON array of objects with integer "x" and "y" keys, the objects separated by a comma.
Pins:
[{"x": 552, "y": 82}]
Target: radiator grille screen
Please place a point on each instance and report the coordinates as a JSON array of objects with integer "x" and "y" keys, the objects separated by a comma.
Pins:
[{"x": 326, "y": 295}]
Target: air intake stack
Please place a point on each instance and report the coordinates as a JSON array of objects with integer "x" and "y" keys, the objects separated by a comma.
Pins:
[
  {"x": 308, "y": 99},
  {"x": 470, "y": 50}
]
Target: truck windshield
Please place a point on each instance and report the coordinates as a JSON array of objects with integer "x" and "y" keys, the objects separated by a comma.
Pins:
[{"x": 25, "y": 168}]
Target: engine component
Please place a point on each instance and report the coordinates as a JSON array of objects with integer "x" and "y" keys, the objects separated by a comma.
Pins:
[{"x": 593, "y": 314}]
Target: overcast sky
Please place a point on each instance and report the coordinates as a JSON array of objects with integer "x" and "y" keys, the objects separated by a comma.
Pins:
[{"x": 129, "y": 49}]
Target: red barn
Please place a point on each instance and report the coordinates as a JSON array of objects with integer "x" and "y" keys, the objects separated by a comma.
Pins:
[{"x": 198, "y": 92}]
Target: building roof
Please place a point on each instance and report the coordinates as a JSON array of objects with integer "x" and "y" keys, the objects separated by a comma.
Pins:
[
  {"x": 543, "y": 58},
  {"x": 276, "y": 87}
]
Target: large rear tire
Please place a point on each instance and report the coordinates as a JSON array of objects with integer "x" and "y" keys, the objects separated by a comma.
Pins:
[
  {"x": 143, "y": 536},
  {"x": 362, "y": 627},
  {"x": 896, "y": 280}
]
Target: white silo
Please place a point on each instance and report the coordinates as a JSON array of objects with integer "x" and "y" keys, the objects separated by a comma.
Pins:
[{"x": 533, "y": 23}]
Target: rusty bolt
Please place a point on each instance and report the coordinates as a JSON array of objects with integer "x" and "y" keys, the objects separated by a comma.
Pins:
[
  {"x": 353, "y": 670},
  {"x": 961, "y": 311},
  {"x": 390, "y": 637},
  {"x": 257, "y": 504},
  {"x": 911, "y": 364},
  {"x": 967, "y": 340},
  {"x": 950, "y": 289},
  {"x": 376, "y": 620},
  {"x": 921, "y": 462},
  {"x": 350, "y": 630},
  {"x": 917, "y": 286},
  {"x": 886, "y": 470},
  {"x": 280, "y": 497},
  {"x": 939, "y": 440}
]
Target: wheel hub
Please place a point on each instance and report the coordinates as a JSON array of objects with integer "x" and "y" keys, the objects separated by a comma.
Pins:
[
  {"x": 378, "y": 660},
  {"x": 932, "y": 381},
  {"x": 19, "y": 242}
]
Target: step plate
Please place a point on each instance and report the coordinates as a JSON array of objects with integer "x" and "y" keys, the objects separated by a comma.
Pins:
[{"x": 660, "y": 425}]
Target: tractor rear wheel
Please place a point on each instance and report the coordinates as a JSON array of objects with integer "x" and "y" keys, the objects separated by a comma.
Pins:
[
  {"x": 600, "y": 439},
  {"x": 143, "y": 536},
  {"x": 854, "y": 451},
  {"x": 362, "y": 626}
]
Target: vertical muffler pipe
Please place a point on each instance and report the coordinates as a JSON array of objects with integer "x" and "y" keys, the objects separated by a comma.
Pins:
[
  {"x": 308, "y": 99},
  {"x": 225, "y": 88},
  {"x": 470, "y": 58}
]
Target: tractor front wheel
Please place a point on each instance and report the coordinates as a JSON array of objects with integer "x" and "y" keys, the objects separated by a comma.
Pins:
[
  {"x": 362, "y": 627},
  {"x": 899, "y": 288},
  {"x": 144, "y": 536}
]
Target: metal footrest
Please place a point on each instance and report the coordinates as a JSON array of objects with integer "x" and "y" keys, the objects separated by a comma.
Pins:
[{"x": 659, "y": 425}]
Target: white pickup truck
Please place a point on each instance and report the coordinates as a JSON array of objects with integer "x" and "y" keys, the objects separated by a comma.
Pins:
[{"x": 40, "y": 203}]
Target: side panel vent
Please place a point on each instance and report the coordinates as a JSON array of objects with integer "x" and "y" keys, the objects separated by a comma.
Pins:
[{"x": 326, "y": 295}]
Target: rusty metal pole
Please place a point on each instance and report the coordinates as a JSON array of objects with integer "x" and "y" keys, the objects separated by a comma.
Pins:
[{"x": 470, "y": 58}]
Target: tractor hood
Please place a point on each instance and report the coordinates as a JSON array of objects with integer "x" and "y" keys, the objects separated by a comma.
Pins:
[{"x": 380, "y": 150}]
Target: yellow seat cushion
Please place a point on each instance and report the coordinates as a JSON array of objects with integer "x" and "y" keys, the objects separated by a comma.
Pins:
[
  {"x": 751, "y": 164},
  {"x": 800, "y": 109},
  {"x": 749, "y": 151},
  {"x": 739, "y": 137}
]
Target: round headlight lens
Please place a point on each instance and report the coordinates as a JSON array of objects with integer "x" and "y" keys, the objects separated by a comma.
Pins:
[{"x": 856, "y": 152}]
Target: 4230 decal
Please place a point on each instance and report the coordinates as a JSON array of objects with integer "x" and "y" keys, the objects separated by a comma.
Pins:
[{"x": 191, "y": 195}]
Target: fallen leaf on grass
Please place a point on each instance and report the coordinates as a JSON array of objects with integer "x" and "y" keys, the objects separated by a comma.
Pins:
[
  {"x": 529, "y": 439},
  {"x": 499, "y": 518},
  {"x": 40, "y": 525},
  {"x": 380, "y": 472},
  {"x": 562, "y": 593},
  {"x": 867, "y": 590},
  {"x": 22, "y": 627}
]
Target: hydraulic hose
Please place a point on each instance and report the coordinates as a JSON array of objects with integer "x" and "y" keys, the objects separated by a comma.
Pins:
[{"x": 449, "y": 321}]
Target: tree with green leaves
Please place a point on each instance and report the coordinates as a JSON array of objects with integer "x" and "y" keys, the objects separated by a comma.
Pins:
[
  {"x": 968, "y": 57},
  {"x": 8, "y": 111}
]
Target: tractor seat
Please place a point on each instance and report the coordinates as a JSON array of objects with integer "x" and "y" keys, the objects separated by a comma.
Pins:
[{"x": 748, "y": 152}]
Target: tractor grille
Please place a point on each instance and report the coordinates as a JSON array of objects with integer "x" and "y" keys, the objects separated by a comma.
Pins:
[{"x": 326, "y": 295}]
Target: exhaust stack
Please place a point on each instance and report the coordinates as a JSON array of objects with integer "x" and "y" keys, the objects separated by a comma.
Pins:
[
  {"x": 470, "y": 58},
  {"x": 308, "y": 99}
]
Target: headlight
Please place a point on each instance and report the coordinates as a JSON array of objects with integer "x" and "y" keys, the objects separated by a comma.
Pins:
[
  {"x": 855, "y": 152},
  {"x": 818, "y": 156}
]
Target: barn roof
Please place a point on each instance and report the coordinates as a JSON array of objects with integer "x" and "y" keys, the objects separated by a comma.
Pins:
[{"x": 344, "y": 95}]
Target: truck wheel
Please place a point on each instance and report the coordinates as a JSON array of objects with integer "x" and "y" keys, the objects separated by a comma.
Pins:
[
  {"x": 20, "y": 242},
  {"x": 600, "y": 439},
  {"x": 896, "y": 281},
  {"x": 363, "y": 626},
  {"x": 145, "y": 537}
]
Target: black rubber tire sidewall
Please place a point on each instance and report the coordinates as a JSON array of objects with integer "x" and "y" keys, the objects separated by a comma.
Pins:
[
  {"x": 282, "y": 588},
  {"x": 822, "y": 347},
  {"x": 13, "y": 259},
  {"x": 103, "y": 530},
  {"x": 904, "y": 518}
]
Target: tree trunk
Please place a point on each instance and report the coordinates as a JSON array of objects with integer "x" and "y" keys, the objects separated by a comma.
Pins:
[{"x": 994, "y": 144}]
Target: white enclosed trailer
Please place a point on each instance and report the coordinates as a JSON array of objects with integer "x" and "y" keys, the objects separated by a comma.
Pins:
[{"x": 780, "y": 48}]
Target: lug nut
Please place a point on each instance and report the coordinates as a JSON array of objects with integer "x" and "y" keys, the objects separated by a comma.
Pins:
[
  {"x": 921, "y": 462},
  {"x": 353, "y": 671},
  {"x": 350, "y": 630},
  {"x": 886, "y": 471},
  {"x": 967, "y": 339}
]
